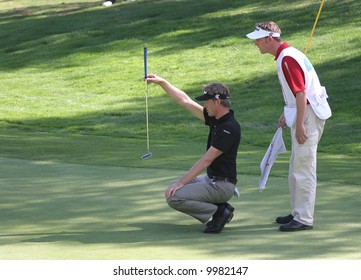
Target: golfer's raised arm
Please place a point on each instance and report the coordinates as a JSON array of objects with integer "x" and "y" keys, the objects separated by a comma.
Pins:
[{"x": 178, "y": 95}]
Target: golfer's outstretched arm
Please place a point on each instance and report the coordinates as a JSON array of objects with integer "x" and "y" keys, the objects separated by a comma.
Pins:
[{"x": 178, "y": 95}]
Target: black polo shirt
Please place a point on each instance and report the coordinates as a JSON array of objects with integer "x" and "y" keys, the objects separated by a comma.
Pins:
[{"x": 224, "y": 135}]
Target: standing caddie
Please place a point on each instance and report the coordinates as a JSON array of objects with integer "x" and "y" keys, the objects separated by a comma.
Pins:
[{"x": 305, "y": 113}]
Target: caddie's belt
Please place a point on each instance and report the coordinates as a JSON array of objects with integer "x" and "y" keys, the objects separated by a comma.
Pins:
[{"x": 224, "y": 179}]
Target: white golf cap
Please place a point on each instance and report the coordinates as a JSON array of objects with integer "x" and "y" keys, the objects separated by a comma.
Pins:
[{"x": 261, "y": 33}]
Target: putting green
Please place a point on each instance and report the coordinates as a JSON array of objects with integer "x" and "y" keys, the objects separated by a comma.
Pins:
[{"x": 62, "y": 211}]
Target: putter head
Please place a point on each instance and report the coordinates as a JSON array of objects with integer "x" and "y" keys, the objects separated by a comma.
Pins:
[{"x": 146, "y": 156}]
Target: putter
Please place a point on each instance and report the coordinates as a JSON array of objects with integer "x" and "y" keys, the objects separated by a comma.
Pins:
[{"x": 149, "y": 154}]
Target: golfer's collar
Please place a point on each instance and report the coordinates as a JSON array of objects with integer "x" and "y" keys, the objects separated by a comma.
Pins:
[{"x": 225, "y": 116}]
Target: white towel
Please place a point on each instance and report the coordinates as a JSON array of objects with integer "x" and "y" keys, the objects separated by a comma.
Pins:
[{"x": 276, "y": 147}]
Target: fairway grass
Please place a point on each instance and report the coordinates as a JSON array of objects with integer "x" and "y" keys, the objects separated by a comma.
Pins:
[
  {"x": 86, "y": 212},
  {"x": 73, "y": 128}
]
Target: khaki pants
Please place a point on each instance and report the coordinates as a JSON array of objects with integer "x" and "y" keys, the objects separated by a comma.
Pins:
[
  {"x": 198, "y": 197},
  {"x": 302, "y": 178}
]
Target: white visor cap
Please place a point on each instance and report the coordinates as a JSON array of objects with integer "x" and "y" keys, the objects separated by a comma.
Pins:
[{"x": 261, "y": 33}]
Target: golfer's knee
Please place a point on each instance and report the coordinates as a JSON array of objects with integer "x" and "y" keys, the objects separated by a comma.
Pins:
[{"x": 175, "y": 202}]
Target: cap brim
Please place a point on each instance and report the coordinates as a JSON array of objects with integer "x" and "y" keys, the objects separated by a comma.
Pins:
[
  {"x": 259, "y": 33},
  {"x": 204, "y": 97},
  {"x": 256, "y": 35}
]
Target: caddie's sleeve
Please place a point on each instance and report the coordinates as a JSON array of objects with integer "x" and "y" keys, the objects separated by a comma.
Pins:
[{"x": 293, "y": 74}]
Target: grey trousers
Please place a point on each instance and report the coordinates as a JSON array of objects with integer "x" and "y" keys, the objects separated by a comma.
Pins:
[{"x": 198, "y": 197}]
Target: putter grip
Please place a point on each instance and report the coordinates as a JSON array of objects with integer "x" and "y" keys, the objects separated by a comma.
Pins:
[{"x": 145, "y": 62}]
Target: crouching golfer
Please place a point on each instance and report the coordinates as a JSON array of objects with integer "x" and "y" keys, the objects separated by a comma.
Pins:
[{"x": 205, "y": 197}]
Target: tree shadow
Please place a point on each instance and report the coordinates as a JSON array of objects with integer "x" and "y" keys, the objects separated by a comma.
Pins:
[
  {"x": 46, "y": 10},
  {"x": 81, "y": 27},
  {"x": 74, "y": 211},
  {"x": 46, "y": 202}
]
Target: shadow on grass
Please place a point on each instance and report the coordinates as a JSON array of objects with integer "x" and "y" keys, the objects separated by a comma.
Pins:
[
  {"x": 78, "y": 205},
  {"x": 70, "y": 28},
  {"x": 47, "y": 10},
  {"x": 245, "y": 242},
  {"x": 67, "y": 29},
  {"x": 49, "y": 202}
]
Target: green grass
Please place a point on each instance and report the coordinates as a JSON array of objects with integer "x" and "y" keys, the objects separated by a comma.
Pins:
[
  {"x": 69, "y": 211},
  {"x": 72, "y": 93},
  {"x": 73, "y": 68}
]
